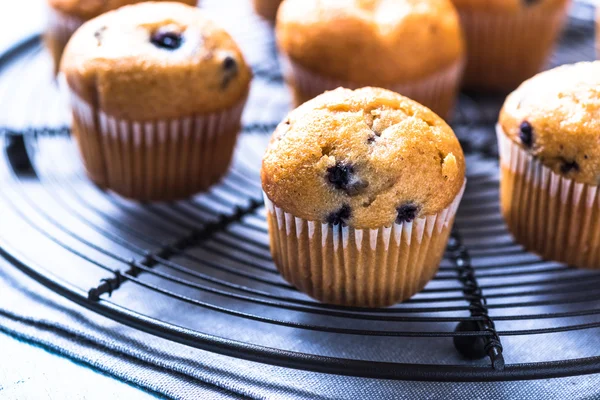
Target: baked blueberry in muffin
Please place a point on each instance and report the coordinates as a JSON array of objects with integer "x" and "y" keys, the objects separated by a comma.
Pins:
[
  {"x": 158, "y": 90},
  {"x": 66, "y": 16},
  {"x": 550, "y": 154},
  {"x": 358, "y": 221}
]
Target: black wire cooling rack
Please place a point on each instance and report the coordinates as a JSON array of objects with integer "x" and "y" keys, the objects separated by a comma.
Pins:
[{"x": 199, "y": 272}]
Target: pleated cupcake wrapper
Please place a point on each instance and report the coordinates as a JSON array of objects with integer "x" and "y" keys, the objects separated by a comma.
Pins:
[
  {"x": 547, "y": 213},
  {"x": 155, "y": 160},
  {"x": 437, "y": 91},
  {"x": 359, "y": 267},
  {"x": 505, "y": 50},
  {"x": 58, "y": 32}
]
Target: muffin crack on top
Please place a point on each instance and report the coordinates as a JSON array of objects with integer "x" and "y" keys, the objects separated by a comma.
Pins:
[{"x": 365, "y": 158}]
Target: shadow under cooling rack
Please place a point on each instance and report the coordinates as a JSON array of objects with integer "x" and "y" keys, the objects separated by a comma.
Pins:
[{"x": 199, "y": 271}]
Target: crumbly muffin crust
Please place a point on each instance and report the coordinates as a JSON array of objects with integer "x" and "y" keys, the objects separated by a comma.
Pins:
[
  {"x": 87, "y": 9},
  {"x": 555, "y": 116},
  {"x": 155, "y": 60},
  {"x": 371, "y": 42},
  {"x": 365, "y": 158},
  {"x": 508, "y": 6}
]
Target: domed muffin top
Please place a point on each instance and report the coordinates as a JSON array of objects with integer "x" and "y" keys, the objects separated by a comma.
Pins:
[
  {"x": 365, "y": 158},
  {"x": 86, "y": 9},
  {"x": 376, "y": 42},
  {"x": 155, "y": 60},
  {"x": 508, "y": 6},
  {"x": 555, "y": 116}
]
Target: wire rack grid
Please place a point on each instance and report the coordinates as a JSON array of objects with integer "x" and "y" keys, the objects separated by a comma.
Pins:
[{"x": 199, "y": 271}]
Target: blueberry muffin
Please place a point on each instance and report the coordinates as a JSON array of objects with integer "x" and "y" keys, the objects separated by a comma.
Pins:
[
  {"x": 361, "y": 190},
  {"x": 267, "y": 8},
  {"x": 548, "y": 134},
  {"x": 157, "y": 93},
  {"x": 508, "y": 41},
  {"x": 413, "y": 47},
  {"x": 65, "y": 16}
]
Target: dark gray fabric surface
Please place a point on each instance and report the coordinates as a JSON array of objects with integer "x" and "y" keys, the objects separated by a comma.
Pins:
[{"x": 30, "y": 311}]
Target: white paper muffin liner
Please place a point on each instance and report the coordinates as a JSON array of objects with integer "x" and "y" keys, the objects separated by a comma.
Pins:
[
  {"x": 505, "y": 49},
  {"x": 59, "y": 30},
  {"x": 546, "y": 212},
  {"x": 359, "y": 267},
  {"x": 437, "y": 91},
  {"x": 155, "y": 160}
]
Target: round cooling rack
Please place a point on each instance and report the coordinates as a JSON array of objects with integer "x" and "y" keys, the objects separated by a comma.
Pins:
[{"x": 199, "y": 271}]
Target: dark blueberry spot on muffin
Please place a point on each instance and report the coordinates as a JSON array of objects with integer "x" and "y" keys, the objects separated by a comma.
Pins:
[
  {"x": 568, "y": 166},
  {"x": 530, "y": 2},
  {"x": 230, "y": 71},
  {"x": 98, "y": 35},
  {"x": 229, "y": 63},
  {"x": 340, "y": 216},
  {"x": 407, "y": 212},
  {"x": 585, "y": 156},
  {"x": 166, "y": 40},
  {"x": 343, "y": 177},
  {"x": 371, "y": 139},
  {"x": 526, "y": 134}
]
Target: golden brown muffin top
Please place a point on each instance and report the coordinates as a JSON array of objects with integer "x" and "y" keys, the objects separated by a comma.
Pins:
[
  {"x": 371, "y": 42},
  {"x": 155, "y": 60},
  {"x": 366, "y": 158},
  {"x": 555, "y": 116},
  {"x": 510, "y": 6},
  {"x": 87, "y": 9}
]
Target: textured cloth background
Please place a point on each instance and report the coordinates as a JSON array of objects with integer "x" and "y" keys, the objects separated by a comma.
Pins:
[{"x": 30, "y": 311}]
